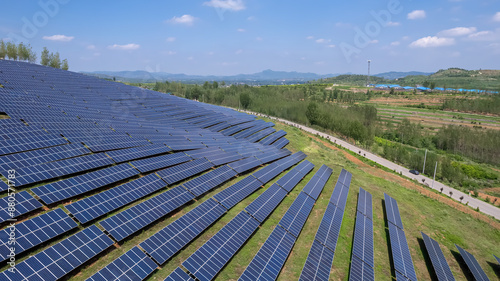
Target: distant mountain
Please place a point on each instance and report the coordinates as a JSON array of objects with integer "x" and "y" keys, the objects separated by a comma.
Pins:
[
  {"x": 396, "y": 75},
  {"x": 265, "y": 77}
]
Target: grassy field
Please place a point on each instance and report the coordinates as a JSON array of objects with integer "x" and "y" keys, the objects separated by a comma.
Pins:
[{"x": 474, "y": 232}]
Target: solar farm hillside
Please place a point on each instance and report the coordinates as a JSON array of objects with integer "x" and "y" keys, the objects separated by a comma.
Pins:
[{"x": 105, "y": 181}]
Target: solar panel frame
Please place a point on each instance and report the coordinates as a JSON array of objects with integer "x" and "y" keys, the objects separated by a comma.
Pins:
[
  {"x": 473, "y": 265},
  {"x": 329, "y": 228},
  {"x": 365, "y": 203},
  {"x": 363, "y": 240},
  {"x": 439, "y": 263},
  {"x": 401, "y": 256},
  {"x": 392, "y": 211},
  {"x": 361, "y": 271}
]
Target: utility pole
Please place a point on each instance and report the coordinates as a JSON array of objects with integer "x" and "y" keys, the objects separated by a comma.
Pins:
[
  {"x": 435, "y": 169},
  {"x": 368, "y": 77},
  {"x": 423, "y": 169}
]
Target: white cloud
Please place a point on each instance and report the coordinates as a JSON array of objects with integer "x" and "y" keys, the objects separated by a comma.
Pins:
[
  {"x": 374, "y": 42},
  {"x": 127, "y": 47},
  {"x": 496, "y": 17},
  {"x": 61, "y": 38},
  {"x": 241, "y": 30},
  {"x": 190, "y": 58},
  {"x": 259, "y": 38},
  {"x": 331, "y": 46},
  {"x": 238, "y": 52},
  {"x": 395, "y": 43},
  {"x": 482, "y": 36},
  {"x": 232, "y": 5},
  {"x": 417, "y": 14},
  {"x": 171, "y": 39},
  {"x": 432, "y": 41},
  {"x": 91, "y": 47},
  {"x": 393, "y": 23},
  {"x": 185, "y": 19},
  {"x": 457, "y": 31},
  {"x": 322, "y": 40},
  {"x": 310, "y": 37},
  {"x": 171, "y": 53},
  {"x": 250, "y": 18}
]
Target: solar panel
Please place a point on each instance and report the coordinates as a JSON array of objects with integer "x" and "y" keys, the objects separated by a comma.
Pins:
[
  {"x": 365, "y": 203},
  {"x": 105, "y": 145},
  {"x": 128, "y": 154},
  {"x": 329, "y": 229},
  {"x": 184, "y": 171},
  {"x": 72, "y": 187},
  {"x": 30, "y": 143},
  {"x": 179, "y": 275},
  {"x": 224, "y": 158},
  {"x": 244, "y": 165},
  {"x": 58, "y": 260},
  {"x": 137, "y": 217},
  {"x": 133, "y": 265},
  {"x": 171, "y": 239},
  {"x": 232, "y": 195},
  {"x": 272, "y": 156},
  {"x": 339, "y": 195},
  {"x": 268, "y": 173},
  {"x": 318, "y": 263},
  {"x": 281, "y": 143},
  {"x": 260, "y": 135},
  {"x": 210, "y": 258},
  {"x": 497, "y": 258},
  {"x": 360, "y": 271},
  {"x": 297, "y": 214},
  {"x": 3, "y": 186},
  {"x": 363, "y": 239},
  {"x": 184, "y": 145},
  {"x": 265, "y": 204},
  {"x": 35, "y": 231},
  {"x": 23, "y": 203},
  {"x": 401, "y": 257},
  {"x": 39, "y": 156},
  {"x": 271, "y": 257},
  {"x": 473, "y": 265},
  {"x": 206, "y": 182},
  {"x": 392, "y": 211},
  {"x": 41, "y": 172},
  {"x": 292, "y": 178},
  {"x": 314, "y": 187},
  {"x": 160, "y": 162},
  {"x": 439, "y": 263},
  {"x": 90, "y": 208}
]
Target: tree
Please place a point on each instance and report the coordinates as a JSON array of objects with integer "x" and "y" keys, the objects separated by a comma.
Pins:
[
  {"x": 245, "y": 100},
  {"x": 312, "y": 113},
  {"x": 31, "y": 54},
  {"x": 3, "y": 50},
  {"x": 12, "y": 51},
  {"x": 65, "y": 65},
  {"x": 22, "y": 52},
  {"x": 44, "y": 59},
  {"x": 55, "y": 60},
  {"x": 426, "y": 84},
  {"x": 432, "y": 85},
  {"x": 215, "y": 85}
]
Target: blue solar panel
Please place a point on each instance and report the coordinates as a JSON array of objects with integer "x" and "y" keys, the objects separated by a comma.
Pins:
[
  {"x": 401, "y": 257},
  {"x": 171, "y": 239},
  {"x": 314, "y": 187},
  {"x": 339, "y": 195},
  {"x": 281, "y": 143},
  {"x": 208, "y": 260},
  {"x": 363, "y": 239},
  {"x": 473, "y": 265},
  {"x": 133, "y": 265},
  {"x": 72, "y": 187},
  {"x": 206, "y": 182},
  {"x": 179, "y": 275},
  {"x": 30, "y": 143},
  {"x": 232, "y": 195},
  {"x": 297, "y": 214},
  {"x": 365, "y": 203},
  {"x": 272, "y": 156},
  {"x": 272, "y": 138},
  {"x": 268, "y": 173},
  {"x": 360, "y": 271},
  {"x": 260, "y": 135},
  {"x": 23, "y": 203},
  {"x": 224, "y": 158},
  {"x": 124, "y": 155},
  {"x": 265, "y": 204},
  {"x": 160, "y": 162},
  {"x": 439, "y": 263},
  {"x": 55, "y": 262},
  {"x": 3, "y": 186},
  {"x": 244, "y": 165},
  {"x": 184, "y": 171},
  {"x": 105, "y": 202},
  {"x": 329, "y": 229},
  {"x": 292, "y": 178},
  {"x": 41, "y": 172},
  {"x": 184, "y": 145},
  {"x": 131, "y": 220},
  {"x": 269, "y": 261},
  {"x": 35, "y": 231},
  {"x": 318, "y": 263},
  {"x": 105, "y": 145},
  {"x": 392, "y": 211}
]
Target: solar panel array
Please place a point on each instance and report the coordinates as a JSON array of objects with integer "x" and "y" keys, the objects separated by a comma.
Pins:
[
  {"x": 320, "y": 258},
  {"x": 439, "y": 263},
  {"x": 362, "y": 261},
  {"x": 128, "y": 154},
  {"x": 184, "y": 171},
  {"x": 3, "y": 186},
  {"x": 317, "y": 182},
  {"x": 403, "y": 263},
  {"x": 133, "y": 265},
  {"x": 473, "y": 265},
  {"x": 24, "y": 203}
]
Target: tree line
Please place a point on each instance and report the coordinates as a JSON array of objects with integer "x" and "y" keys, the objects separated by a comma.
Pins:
[
  {"x": 24, "y": 52},
  {"x": 477, "y": 105}
]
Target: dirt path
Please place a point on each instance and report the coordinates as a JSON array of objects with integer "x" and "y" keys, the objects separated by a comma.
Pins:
[{"x": 409, "y": 184}]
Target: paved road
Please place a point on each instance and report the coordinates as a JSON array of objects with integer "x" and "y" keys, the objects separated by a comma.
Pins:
[{"x": 473, "y": 202}]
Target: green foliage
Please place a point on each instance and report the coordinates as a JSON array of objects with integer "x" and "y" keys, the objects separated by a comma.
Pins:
[
  {"x": 479, "y": 105},
  {"x": 245, "y": 100},
  {"x": 55, "y": 60},
  {"x": 44, "y": 58},
  {"x": 312, "y": 113},
  {"x": 65, "y": 65},
  {"x": 11, "y": 51},
  {"x": 3, "y": 49}
]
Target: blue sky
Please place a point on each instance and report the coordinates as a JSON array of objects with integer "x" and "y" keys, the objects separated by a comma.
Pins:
[{"x": 225, "y": 37}]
